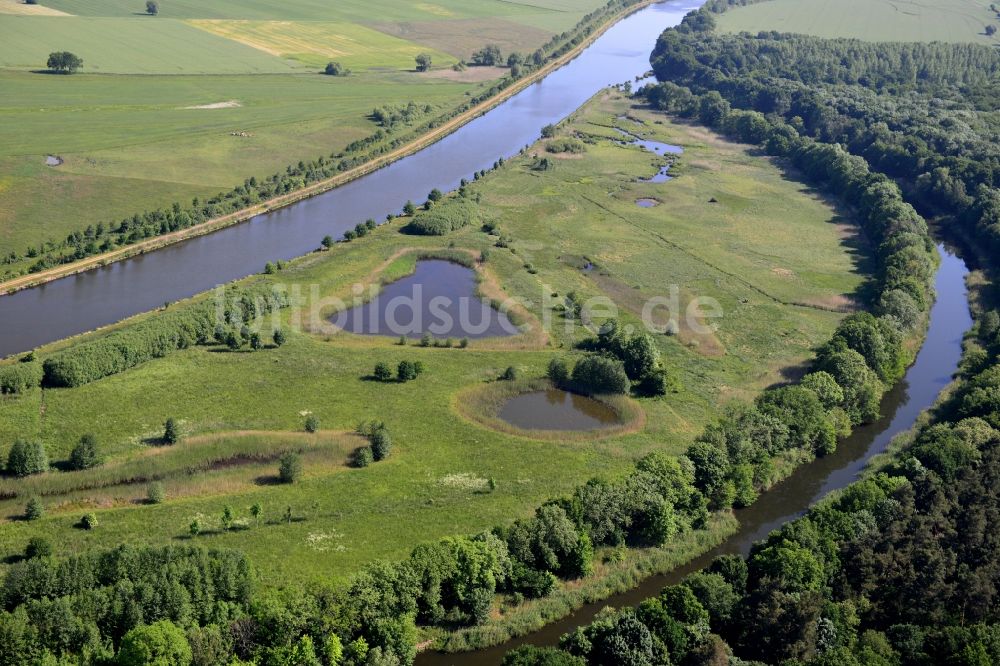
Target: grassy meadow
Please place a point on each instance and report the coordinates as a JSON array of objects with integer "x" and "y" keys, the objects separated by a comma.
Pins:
[
  {"x": 873, "y": 20},
  {"x": 195, "y": 100},
  {"x": 777, "y": 258}
]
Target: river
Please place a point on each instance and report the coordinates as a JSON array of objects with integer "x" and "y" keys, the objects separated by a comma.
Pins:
[
  {"x": 932, "y": 370},
  {"x": 75, "y": 304},
  {"x": 79, "y": 303}
]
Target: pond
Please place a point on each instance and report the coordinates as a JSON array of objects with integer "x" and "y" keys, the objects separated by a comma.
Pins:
[
  {"x": 554, "y": 409},
  {"x": 439, "y": 298},
  {"x": 646, "y": 203},
  {"x": 657, "y": 148}
]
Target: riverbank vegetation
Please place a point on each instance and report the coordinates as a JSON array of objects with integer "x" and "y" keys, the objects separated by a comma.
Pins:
[
  {"x": 448, "y": 476},
  {"x": 894, "y": 569}
]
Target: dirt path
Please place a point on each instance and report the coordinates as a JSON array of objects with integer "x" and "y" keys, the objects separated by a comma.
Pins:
[{"x": 421, "y": 142}]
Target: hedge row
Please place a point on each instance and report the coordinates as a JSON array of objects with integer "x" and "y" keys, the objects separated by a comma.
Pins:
[{"x": 155, "y": 338}]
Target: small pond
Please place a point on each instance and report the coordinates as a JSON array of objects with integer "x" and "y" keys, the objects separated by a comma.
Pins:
[
  {"x": 646, "y": 203},
  {"x": 439, "y": 298},
  {"x": 53, "y": 160},
  {"x": 554, "y": 409},
  {"x": 657, "y": 148}
]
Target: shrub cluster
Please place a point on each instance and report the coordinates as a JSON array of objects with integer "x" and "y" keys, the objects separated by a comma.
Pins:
[
  {"x": 440, "y": 220},
  {"x": 19, "y": 377}
]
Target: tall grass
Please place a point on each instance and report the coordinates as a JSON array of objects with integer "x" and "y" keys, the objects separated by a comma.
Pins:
[{"x": 162, "y": 463}]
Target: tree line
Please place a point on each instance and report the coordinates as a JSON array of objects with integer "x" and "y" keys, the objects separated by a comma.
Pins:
[{"x": 158, "y": 336}]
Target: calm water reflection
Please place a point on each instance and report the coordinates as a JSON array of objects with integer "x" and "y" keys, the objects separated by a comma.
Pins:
[
  {"x": 439, "y": 299},
  {"x": 553, "y": 409}
]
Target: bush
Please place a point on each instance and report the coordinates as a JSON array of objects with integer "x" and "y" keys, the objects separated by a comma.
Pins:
[
  {"x": 84, "y": 454},
  {"x": 407, "y": 371},
  {"x": 155, "y": 493},
  {"x": 312, "y": 423},
  {"x": 657, "y": 382},
  {"x": 19, "y": 377},
  {"x": 26, "y": 458},
  {"x": 566, "y": 145},
  {"x": 89, "y": 521},
  {"x": 426, "y": 340},
  {"x": 509, "y": 375},
  {"x": 34, "y": 509},
  {"x": 381, "y": 444},
  {"x": 444, "y": 219},
  {"x": 38, "y": 547},
  {"x": 364, "y": 456},
  {"x": 290, "y": 468},
  {"x": 599, "y": 374},
  {"x": 558, "y": 372},
  {"x": 334, "y": 69},
  {"x": 171, "y": 431},
  {"x": 383, "y": 373}
]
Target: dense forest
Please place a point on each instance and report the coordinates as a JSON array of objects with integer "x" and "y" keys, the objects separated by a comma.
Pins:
[{"x": 903, "y": 567}]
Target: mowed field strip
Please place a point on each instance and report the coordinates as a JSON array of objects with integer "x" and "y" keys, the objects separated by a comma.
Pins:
[
  {"x": 874, "y": 20},
  {"x": 359, "y": 11},
  {"x": 316, "y": 42},
  {"x": 20, "y": 8},
  {"x": 138, "y": 45}
]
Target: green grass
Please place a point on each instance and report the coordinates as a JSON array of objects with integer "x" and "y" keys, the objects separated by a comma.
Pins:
[
  {"x": 319, "y": 10},
  {"x": 315, "y": 43},
  {"x": 874, "y": 20},
  {"x": 130, "y": 144},
  {"x": 135, "y": 45},
  {"x": 431, "y": 485}
]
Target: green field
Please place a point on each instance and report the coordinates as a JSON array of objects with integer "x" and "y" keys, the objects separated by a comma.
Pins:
[
  {"x": 135, "y": 45},
  {"x": 358, "y": 11},
  {"x": 874, "y": 20},
  {"x": 767, "y": 243},
  {"x": 132, "y": 143},
  {"x": 123, "y": 124}
]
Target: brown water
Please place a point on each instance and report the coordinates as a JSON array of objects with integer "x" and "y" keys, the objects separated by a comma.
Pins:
[
  {"x": 933, "y": 369},
  {"x": 553, "y": 409},
  {"x": 79, "y": 303},
  {"x": 439, "y": 298}
]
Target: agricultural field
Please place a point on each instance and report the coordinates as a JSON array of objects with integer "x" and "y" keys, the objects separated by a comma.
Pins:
[
  {"x": 782, "y": 264},
  {"x": 194, "y": 100},
  {"x": 873, "y": 20}
]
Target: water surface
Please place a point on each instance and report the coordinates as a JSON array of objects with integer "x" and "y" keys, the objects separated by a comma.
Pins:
[
  {"x": 554, "y": 409},
  {"x": 439, "y": 298}
]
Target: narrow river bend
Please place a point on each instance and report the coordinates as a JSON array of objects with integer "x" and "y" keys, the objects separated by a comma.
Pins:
[
  {"x": 933, "y": 369},
  {"x": 80, "y": 303}
]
